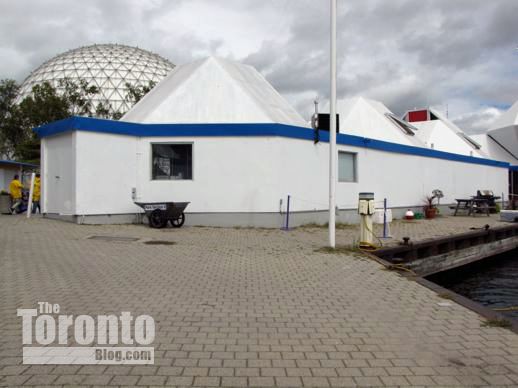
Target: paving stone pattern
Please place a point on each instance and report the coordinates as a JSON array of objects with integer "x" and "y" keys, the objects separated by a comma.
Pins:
[{"x": 247, "y": 307}]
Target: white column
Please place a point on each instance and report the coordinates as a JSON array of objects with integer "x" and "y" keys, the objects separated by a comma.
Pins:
[
  {"x": 31, "y": 191},
  {"x": 332, "y": 131}
]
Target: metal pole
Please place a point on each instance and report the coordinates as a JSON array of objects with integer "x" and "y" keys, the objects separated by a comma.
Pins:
[
  {"x": 288, "y": 213},
  {"x": 385, "y": 218},
  {"x": 332, "y": 130}
]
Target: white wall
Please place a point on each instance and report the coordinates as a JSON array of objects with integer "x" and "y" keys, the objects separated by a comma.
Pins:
[
  {"x": 245, "y": 174},
  {"x": 405, "y": 179},
  {"x": 106, "y": 173},
  {"x": 229, "y": 175},
  {"x": 443, "y": 138},
  {"x": 7, "y": 173},
  {"x": 493, "y": 149},
  {"x": 59, "y": 173},
  {"x": 253, "y": 174}
]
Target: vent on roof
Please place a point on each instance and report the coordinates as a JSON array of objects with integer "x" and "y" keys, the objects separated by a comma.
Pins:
[
  {"x": 469, "y": 140},
  {"x": 409, "y": 129},
  {"x": 323, "y": 122},
  {"x": 417, "y": 115}
]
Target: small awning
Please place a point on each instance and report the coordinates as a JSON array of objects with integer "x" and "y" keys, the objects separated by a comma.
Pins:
[{"x": 19, "y": 164}]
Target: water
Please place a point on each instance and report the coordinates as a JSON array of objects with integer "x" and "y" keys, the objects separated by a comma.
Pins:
[{"x": 492, "y": 282}]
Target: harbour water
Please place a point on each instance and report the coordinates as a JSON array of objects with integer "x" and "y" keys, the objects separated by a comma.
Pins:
[{"x": 492, "y": 282}]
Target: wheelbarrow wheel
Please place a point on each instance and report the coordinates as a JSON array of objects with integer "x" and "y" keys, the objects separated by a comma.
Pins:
[
  {"x": 178, "y": 222},
  {"x": 156, "y": 219}
]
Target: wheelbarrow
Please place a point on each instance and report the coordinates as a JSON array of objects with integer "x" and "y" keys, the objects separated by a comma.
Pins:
[{"x": 160, "y": 213}]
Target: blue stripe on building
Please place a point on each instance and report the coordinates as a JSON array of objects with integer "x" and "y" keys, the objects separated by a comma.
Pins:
[{"x": 254, "y": 129}]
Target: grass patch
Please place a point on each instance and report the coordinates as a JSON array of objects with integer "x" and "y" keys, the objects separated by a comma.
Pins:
[
  {"x": 445, "y": 295},
  {"x": 340, "y": 249},
  {"x": 497, "y": 322}
]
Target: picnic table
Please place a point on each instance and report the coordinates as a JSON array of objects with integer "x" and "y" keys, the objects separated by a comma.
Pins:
[{"x": 472, "y": 206}]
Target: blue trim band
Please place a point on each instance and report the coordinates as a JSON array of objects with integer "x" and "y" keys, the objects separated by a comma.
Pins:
[
  {"x": 15, "y": 163},
  {"x": 282, "y": 130}
]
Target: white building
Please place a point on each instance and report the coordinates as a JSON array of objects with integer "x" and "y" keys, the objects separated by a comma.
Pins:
[
  {"x": 10, "y": 168},
  {"x": 368, "y": 118},
  {"x": 437, "y": 132},
  {"x": 214, "y": 133},
  {"x": 501, "y": 142},
  {"x": 504, "y": 131}
]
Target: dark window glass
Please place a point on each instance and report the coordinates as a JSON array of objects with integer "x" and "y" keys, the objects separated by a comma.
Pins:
[{"x": 172, "y": 161}]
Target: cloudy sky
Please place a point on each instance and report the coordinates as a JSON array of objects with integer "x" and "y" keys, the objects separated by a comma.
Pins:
[{"x": 455, "y": 55}]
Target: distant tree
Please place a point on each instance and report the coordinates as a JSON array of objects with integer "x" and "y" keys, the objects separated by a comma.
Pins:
[
  {"x": 79, "y": 97},
  {"x": 135, "y": 93},
  {"x": 103, "y": 110},
  {"x": 116, "y": 115},
  {"x": 44, "y": 105},
  {"x": 9, "y": 130}
]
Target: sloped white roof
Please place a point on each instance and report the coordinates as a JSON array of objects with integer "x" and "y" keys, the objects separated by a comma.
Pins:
[
  {"x": 214, "y": 90},
  {"x": 363, "y": 117},
  {"x": 508, "y": 118},
  {"x": 444, "y": 135},
  {"x": 493, "y": 150},
  {"x": 505, "y": 130}
]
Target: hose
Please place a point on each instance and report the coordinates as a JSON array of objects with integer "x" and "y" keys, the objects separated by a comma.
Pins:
[
  {"x": 366, "y": 246},
  {"x": 391, "y": 267}
]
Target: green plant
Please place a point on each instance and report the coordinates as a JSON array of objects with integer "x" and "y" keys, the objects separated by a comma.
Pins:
[
  {"x": 428, "y": 202},
  {"x": 445, "y": 295},
  {"x": 497, "y": 322},
  {"x": 3, "y": 192}
]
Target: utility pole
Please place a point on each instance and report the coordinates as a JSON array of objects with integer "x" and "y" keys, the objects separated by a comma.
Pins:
[{"x": 332, "y": 131}]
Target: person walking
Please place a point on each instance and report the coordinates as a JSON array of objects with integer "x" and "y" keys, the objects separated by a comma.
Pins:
[
  {"x": 15, "y": 190},
  {"x": 36, "y": 195}
]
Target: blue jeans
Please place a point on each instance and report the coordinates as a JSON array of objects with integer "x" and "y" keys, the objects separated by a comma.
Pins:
[
  {"x": 15, "y": 203},
  {"x": 36, "y": 206}
]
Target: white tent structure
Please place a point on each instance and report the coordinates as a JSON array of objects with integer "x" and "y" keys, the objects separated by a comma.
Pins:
[
  {"x": 368, "y": 118},
  {"x": 214, "y": 90},
  {"x": 493, "y": 150},
  {"x": 217, "y": 135},
  {"x": 505, "y": 130},
  {"x": 439, "y": 133}
]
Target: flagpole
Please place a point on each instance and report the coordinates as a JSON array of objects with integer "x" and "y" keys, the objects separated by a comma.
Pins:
[{"x": 332, "y": 131}]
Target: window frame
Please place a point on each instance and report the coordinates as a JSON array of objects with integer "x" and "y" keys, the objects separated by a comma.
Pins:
[
  {"x": 355, "y": 166},
  {"x": 171, "y": 143}
]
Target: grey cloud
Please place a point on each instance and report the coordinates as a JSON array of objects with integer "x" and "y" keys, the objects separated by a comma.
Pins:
[
  {"x": 405, "y": 53},
  {"x": 478, "y": 122}
]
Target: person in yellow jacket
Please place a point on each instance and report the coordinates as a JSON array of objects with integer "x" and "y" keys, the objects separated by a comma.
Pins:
[
  {"x": 36, "y": 194},
  {"x": 15, "y": 190}
]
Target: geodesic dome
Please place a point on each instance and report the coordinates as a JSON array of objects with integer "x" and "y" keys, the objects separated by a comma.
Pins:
[{"x": 107, "y": 66}]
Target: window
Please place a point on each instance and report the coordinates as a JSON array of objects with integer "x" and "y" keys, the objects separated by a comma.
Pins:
[
  {"x": 347, "y": 167},
  {"x": 172, "y": 161}
]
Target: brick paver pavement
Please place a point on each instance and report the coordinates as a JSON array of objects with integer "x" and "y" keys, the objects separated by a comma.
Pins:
[{"x": 247, "y": 307}]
